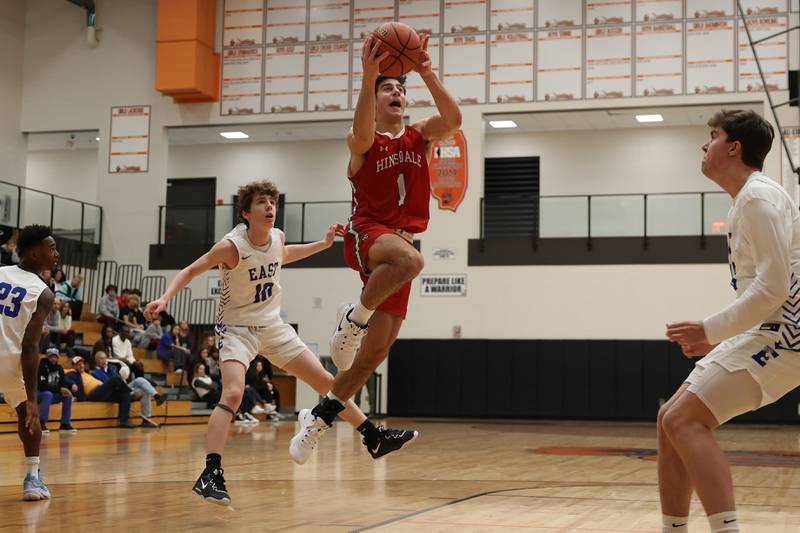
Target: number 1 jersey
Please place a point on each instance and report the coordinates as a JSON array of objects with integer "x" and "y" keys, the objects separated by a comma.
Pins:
[
  {"x": 19, "y": 295},
  {"x": 250, "y": 294},
  {"x": 392, "y": 187}
]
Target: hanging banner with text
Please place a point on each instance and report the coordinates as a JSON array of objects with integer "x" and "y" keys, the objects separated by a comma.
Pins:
[
  {"x": 443, "y": 284},
  {"x": 448, "y": 171},
  {"x": 129, "y": 146}
]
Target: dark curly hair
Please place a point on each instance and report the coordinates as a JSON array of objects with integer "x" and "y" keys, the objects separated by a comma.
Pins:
[
  {"x": 30, "y": 236},
  {"x": 249, "y": 191}
]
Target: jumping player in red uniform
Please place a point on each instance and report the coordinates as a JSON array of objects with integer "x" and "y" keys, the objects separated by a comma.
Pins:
[{"x": 388, "y": 172}]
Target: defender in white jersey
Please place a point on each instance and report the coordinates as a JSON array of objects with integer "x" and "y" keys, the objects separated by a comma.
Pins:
[
  {"x": 751, "y": 348},
  {"x": 250, "y": 259},
  {"x": 25, "y": 301}
]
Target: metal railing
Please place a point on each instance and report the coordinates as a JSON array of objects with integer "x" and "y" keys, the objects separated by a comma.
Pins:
[
  {"x": 69, "y": 218},
  {"x": 301, "y": 221},
  {"x": 613, "y": 215}
]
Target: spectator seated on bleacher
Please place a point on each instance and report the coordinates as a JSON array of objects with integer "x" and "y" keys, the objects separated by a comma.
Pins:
[
  {"x": 213, "y": 365},
  {"x": 258, "y": 379},
  {"x": 122, "y": 301},
  {"x": 52, "y": 389},
  {"x": 47, "y": 277},
  {"x": 122, "y": 351},
  {"x": 140, "y": 388},
  {"x": 60, "y": 284},
  {"x": 204, "y": 387},
  {"x": 152, "y": 334},
  {"x": 72, "y": 292},
  {"x": 8, "y": 250},
  {"x": 104, "y": 344},
  {"x": 89, "y": 388},
  {"x": 170, "y": 351},
  {"x": 108, "y": 308},
  {"x": 133, "y": 317},
  {"x": 60, "y": 323}
]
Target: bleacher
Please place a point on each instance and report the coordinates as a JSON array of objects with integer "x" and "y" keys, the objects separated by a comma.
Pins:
[{"x": 178, "y": 409}]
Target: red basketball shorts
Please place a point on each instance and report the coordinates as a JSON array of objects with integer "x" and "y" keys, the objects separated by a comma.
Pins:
[{"x": 357, "y": 243}]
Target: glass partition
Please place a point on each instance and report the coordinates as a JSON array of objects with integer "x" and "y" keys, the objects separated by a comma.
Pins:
[
  {"x": 91, "y": 223},
  {"x": 35, "y": 208},
  {"x": 717, "y": 205},
  {"x": 563, "y": 217},
  {"x": 673, "y": 214},
  {"x": 617, "y": 216},
  {"x": 66, "y": 218},
  {"x": 318, "y": 216},
  {"x": 293, "y": 222},
  {"x": 9, "y": 197}
]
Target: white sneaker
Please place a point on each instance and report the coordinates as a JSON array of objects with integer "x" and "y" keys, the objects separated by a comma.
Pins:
[
  {"x": 251, "y": 419},
  {"x": 258, "y": 410},
  {"x": 241, "y": 420},
  {"x": 311, "y": 430},
  {"x": 269, "y": 408},
  {"x": 346, "y": 338}
]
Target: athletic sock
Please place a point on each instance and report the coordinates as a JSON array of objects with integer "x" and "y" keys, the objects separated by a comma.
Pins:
[
  {"x": 32, "y": 464},
  {"x": 328, "y": 409},
  {"x": 674, "y": 524},
  {"x": 360, "y": 315},
  {"x": 213, "y": 461},
  {"x": 725, "y": 522},
  {"x": 368, "y": 431}
]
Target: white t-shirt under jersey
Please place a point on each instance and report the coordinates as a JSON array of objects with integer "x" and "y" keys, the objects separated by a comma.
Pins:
[
  {"x": 251, "y": 292},
  {"x": 764, "y": 259},
  {"x": 19, "y": 295}
]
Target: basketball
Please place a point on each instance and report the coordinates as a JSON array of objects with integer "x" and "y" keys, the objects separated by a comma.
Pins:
[{"x": 403, "y": 45}]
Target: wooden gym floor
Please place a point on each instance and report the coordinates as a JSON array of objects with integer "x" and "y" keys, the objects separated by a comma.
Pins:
[{"x": 458, "y": 476}]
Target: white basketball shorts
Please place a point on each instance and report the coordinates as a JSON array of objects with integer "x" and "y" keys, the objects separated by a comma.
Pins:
[
  {"x": 11, "y": 383},
  {"x": 719, "y": 382},
  {"x": 278, "y": 342}
]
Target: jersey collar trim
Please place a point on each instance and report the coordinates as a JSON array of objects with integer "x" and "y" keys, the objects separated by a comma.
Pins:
[{"x": 388, "y": 134}]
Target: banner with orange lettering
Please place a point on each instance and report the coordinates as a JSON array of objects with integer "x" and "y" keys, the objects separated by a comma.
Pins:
[{"x": 448, "y": 171}]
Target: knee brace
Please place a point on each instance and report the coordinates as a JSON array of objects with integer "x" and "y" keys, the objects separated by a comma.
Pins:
[{"x": 226, "y": 408}]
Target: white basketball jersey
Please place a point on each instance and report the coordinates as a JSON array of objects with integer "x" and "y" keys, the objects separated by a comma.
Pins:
[
  {"x": 19, "y": 295},
  {"x": 251, "y": 292}
]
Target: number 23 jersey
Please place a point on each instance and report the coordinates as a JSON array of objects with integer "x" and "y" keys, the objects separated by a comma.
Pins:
[
  {"x": 392, "y": 187},
  {"x": 19, "y": 295},
  {"x": 250, "y": 293}
]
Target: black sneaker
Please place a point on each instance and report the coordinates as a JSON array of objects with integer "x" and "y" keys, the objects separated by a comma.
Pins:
[
  {"x": 211, "y": 487},
  {"x": 389, "y": 440}
]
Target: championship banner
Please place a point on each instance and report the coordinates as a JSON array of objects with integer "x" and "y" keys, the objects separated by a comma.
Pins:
[
  {"x": 448, "y": 171},
  {"x": 129, "y": 149}
]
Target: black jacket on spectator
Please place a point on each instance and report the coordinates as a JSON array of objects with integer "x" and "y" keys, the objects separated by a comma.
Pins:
[{"x": 51, "y": 377}]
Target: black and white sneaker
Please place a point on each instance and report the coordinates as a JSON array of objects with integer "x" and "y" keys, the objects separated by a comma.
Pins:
[
  {"x": 211, "y": 487},
  {"x": 389, "y": 440}
]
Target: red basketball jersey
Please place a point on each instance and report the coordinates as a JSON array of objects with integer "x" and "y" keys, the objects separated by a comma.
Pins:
[{"x": 392, "y": 187}]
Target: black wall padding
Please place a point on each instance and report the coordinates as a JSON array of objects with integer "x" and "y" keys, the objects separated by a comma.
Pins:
[{"x": 549, "y": 379}]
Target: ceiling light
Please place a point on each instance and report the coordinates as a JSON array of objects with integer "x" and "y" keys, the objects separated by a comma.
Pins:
[
  {"x": 650, "y": 118},
  {"x": 502, "y": 124},
  {"x": 234, "y": 135},
  {"x": 97, "y": 138}
]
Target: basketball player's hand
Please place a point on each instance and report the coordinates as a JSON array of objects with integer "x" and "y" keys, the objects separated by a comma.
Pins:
[
  {"x": 154, "y": 308},
  {"x": 31, "y": 416},
  {"x": 370, "y": 60},
  {"x": 687, "y": 333},
  {"x": 65, "y": 392},
  {"x": 697, "y": 350},
  {"x": 334, "y": 230},
  {"x": 424, "y": 65}
]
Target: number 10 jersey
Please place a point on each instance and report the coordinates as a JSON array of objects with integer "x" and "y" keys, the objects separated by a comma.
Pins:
[{"x": 250, "y": 294}]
